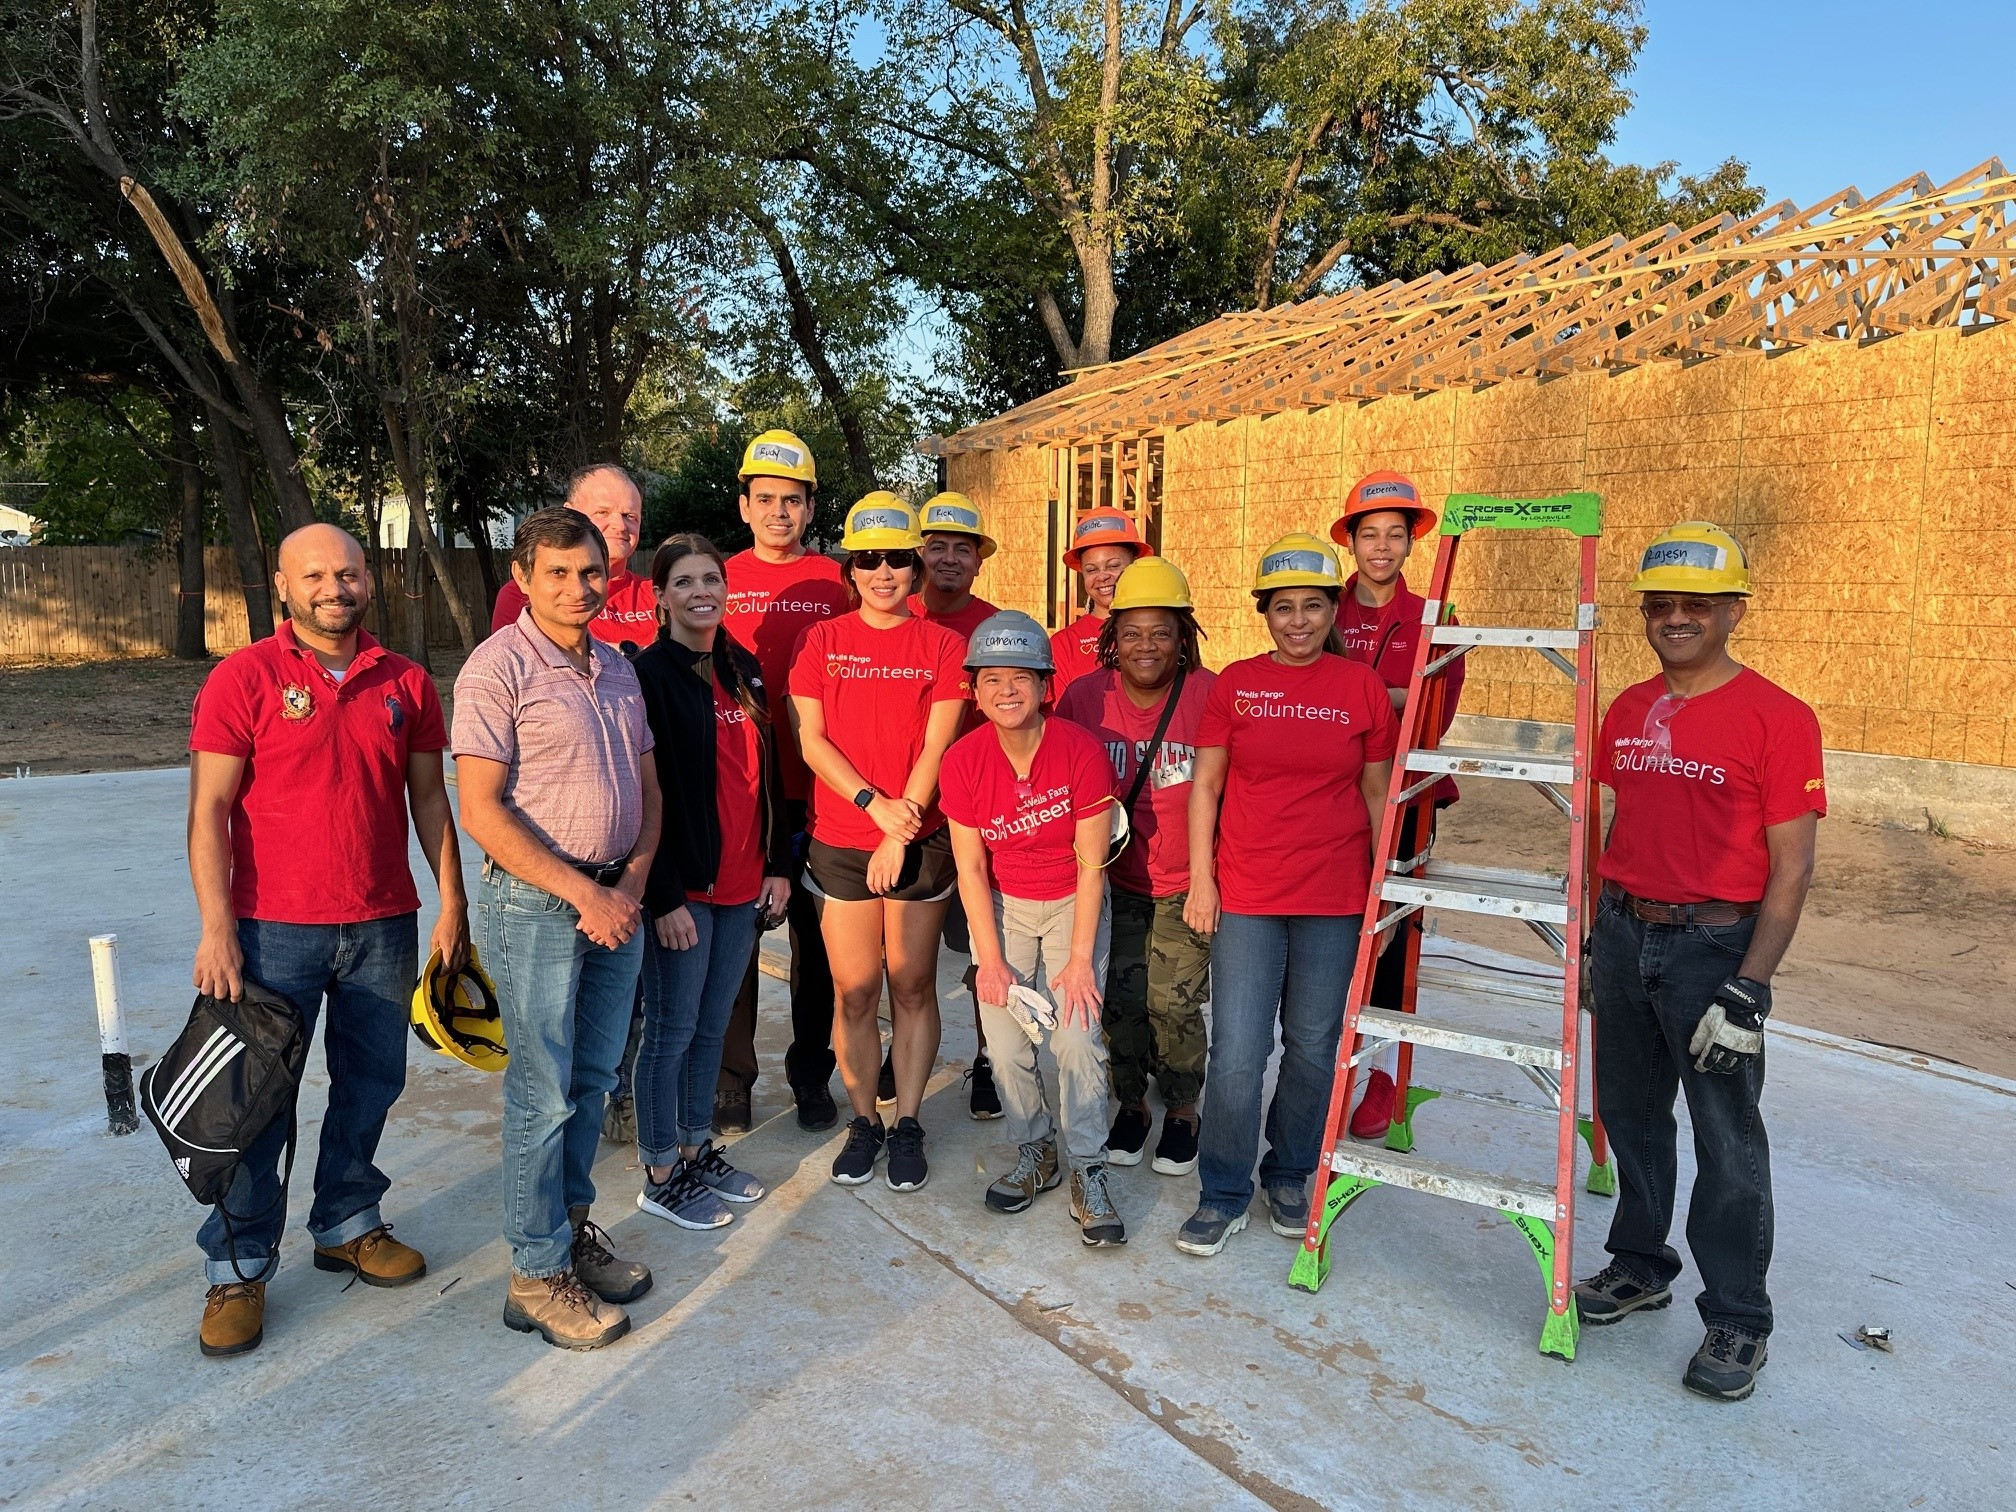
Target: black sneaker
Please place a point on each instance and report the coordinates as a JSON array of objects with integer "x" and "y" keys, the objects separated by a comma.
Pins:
[
  {"x": 855, "y": 1164},
  {"x": 731, "y": 1110},
  {"x": 885, "y": 1085},
  {"x": 1127, "y": 1137},
  {"x": 1176, "y": 1150},
  {"x": 1614, "y": 1293},
  {"x": 983, "y": 1101},
  {"x": 908, "y": 1169},
  {"x": 816, "y": 1109},
  {"x": 1725, "y": 1366}
]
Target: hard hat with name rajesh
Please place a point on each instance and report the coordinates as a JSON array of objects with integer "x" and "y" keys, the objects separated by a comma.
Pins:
[{"x": 1693, "y": 557}]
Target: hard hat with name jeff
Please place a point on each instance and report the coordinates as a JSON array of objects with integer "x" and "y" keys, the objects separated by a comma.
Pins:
[
  {"x": 455, "y": 1013},
  {"x": 880, "y": 522},
  {"x": 1009, "y": 639},
  {"x": 1378, "y": 492},
  {"x": 952, "y": 513},
  {"x": 1105, "y": 527},
  {"x": 1298, "y": 561},
  {"x": 1152, "y": 583},
  {"x": 1693, "y": 557},
  {"x": 779, "y": 454}
]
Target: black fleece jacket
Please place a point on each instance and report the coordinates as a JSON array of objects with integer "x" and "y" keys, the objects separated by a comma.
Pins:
[{"x": 679, "y": 703}]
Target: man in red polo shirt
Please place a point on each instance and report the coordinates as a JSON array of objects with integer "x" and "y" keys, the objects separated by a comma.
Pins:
[
  {"x": 609, "y": 496},
  {"x": 1719, "y": 786},
  {"x": 1103, "y": 545},
  {"x": 306, "y": 752}
]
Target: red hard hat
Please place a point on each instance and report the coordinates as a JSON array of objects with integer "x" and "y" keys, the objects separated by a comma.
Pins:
[
  {"x": 1378, "y": 492},
  {"x": 1105, "y": 527}
]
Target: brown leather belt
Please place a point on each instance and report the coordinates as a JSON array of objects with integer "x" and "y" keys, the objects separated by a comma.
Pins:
[{"x": 1714, "y": 912}]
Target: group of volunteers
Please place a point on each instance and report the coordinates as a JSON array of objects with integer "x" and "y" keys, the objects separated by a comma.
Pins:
[{"x": 658, "y": 768}]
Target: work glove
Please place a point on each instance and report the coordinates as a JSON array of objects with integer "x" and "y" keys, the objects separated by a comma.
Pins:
[{"x": 1733, "y": 1026}]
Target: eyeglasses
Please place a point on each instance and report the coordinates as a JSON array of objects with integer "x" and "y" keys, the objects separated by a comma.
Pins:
[
  {"x": 869, "y": 561},
  {"x": 1692, "y": 606}
]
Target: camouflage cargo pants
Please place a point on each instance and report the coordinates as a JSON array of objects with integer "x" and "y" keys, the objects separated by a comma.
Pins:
[{"x": 1156, "y": 985}]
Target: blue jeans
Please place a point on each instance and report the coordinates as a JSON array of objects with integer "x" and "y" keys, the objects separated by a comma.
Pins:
[
  {"x": 367, "y": 972},
  {"x": 1296, "y": 967},
  {"x": 566, "y": 1004},
  {"x": 688, "y": 996}
]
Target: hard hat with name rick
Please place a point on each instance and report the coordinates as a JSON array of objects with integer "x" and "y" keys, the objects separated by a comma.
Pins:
[{"x": 952, "y": 513}]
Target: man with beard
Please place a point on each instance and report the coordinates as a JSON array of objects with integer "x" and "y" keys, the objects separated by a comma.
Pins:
[{"x": 307, "y": 751}]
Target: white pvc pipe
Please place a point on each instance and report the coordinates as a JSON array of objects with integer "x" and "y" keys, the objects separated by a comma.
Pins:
[{"x": 105, "y": 981}]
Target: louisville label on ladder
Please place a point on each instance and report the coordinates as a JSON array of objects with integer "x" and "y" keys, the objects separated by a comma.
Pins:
[{"x": 1555, "y": 906}]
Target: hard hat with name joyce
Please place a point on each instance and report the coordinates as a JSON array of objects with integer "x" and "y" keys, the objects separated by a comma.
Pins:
[{"x": 880, "y": 522}]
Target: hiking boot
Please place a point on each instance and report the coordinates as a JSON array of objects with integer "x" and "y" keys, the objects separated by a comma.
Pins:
[
  {"x": 1035, "y": 1172},
  {"x": 601, "y": 1272},
  {"x": 1092, "y": 1206},
  {"x": 731, "y": 1110},
  {"x": 234, "y": 1319},
  {"x": 683, "y": 1198},
  {"x": 619, "y": 1121},
  {"x": 562, "y": 1311},
  {"x": 1206, "y": 1231},
  {"x": 1614, "y": 1293},
  {"x": 1176, "y": 1150},
  {"x": 907, "y": 1169},
  {"x": 983, "y": 1098},
  {"x": 377, "y": 1259},
  {"x": 723, "y": 1179},
  {"x": 1127, "y": 1137},
  {"x": 816, "y": 1109},
  {"x": 855, "y": 1164},
  {"x": 885, "y": 1083},
  {"x": 1374, "y": 1115},
  {"x": 1725, "y": 1366}
]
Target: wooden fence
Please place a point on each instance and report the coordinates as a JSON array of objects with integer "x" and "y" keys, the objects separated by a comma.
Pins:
[{"x": 101, "y": 603}]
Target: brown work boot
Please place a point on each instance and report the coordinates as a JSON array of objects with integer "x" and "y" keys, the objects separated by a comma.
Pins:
[
  {"x": 562, "y": 1311},
  {"x": 601, "y": 1272},
  {"x": 376, "y": 1257},
  {"x": 234, "y": 1318}
]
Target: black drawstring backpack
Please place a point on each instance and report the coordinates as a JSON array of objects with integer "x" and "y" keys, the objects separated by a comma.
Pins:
[{"x": 231, "y": 1073}]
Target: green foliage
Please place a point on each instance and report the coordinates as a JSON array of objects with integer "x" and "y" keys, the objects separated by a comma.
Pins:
[{"x": 105, "y": 464}]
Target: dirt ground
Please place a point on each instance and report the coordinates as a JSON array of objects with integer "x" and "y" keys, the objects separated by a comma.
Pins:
[{"x": 1909, "y": 940}]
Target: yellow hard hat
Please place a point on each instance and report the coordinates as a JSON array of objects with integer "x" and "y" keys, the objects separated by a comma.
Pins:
[
  {"x": 880, "y": 522},
  {"x": 447, "y": 1019},
  {"x": 952, "y": 513},
  {"x": 1693, "y": 557},
  {"x": 1298, "y": 561},
  {"x": 779, "y": 454},
  {"x": 1151, "y": 583}
]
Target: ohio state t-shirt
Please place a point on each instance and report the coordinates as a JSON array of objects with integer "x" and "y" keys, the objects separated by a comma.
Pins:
[
  {"x": 1156, "y": 862},
  {"x": 1075, "y": 650},
  {"x": 1028, "y": 824},
  {"x": 629, "y": 613},
  {"x": 1384, "y": 638},
  {"x": 1293, "y": 833},
  {"x": 877, "y": 688},
  {"x": 1698, "y": 780},
  {"x": 770, "y": 605},
  {"x": 738, "y": 782}
]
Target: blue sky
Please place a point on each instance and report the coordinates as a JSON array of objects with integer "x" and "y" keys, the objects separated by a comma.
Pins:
[{"x": 1816, "y": 96}]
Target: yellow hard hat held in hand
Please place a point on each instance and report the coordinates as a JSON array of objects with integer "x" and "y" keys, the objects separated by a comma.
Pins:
[
  {"x": 1693, "y": 557},
  {"x": 779, "y": 454},
  {"x": 456, "y": 1013}
]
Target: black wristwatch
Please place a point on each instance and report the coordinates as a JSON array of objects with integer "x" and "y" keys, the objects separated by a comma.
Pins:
[{"x": 865, "y": 797}]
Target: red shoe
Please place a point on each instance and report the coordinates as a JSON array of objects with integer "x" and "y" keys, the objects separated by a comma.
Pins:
[{"x": 1375, "y": 1109}]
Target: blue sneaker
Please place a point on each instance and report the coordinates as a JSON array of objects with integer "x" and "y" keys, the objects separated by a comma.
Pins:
[
  {"x": 723, "y": 1179},
  {"x": 1205, "y": 1231},
  {"x": 683, "y": 1198}
]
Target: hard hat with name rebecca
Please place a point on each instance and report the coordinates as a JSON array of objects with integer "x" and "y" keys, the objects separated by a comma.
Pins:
[
  {"x": 456, "y": 1014},
  {"x": 1298, "y": 561},
  {"x": 1693, "y": 557},
  {"x": 1152, "y": 583},
  {"x": 779, "y": 454},
  {"x": 880, "y": 522},
  {"x": 1105, "y": 527},
  {"x": 1009, "y": 639},
  {"x": 952, "y": 513},
  {"x": 1380, "y": 491}
]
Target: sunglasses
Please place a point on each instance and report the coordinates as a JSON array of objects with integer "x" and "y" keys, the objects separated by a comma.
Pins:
[
  {"x": 869, "y": 561},
  {"x": 1691, "y": 606}
]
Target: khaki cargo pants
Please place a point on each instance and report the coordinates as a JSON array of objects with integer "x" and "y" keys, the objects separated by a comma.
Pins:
[{"x": 1156, "y": 986}]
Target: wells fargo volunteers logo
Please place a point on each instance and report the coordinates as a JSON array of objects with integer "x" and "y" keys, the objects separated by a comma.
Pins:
[{"x": 296, "y": 702}]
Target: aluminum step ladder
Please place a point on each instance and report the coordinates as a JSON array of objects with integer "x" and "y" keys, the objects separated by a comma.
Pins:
[{"x": 1556, "y": 907}]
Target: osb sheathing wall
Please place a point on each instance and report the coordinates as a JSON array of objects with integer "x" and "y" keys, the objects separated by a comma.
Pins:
[{"x": 1875, "y": 487}]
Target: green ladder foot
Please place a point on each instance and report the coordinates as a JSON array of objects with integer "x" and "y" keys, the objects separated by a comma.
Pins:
[
  {"x": 1602, "y": 1180},
  {"x": 1400, "y": 1133},
  {"x": 1559, "y": 1333},
  {"x": 1312, "y": 1267}
]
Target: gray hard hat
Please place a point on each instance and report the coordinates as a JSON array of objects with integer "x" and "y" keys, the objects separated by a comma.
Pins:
[{"x": 1009, "y": 639}]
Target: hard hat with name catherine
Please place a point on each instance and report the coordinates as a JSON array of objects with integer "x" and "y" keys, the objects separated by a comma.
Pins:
[
  {"x": 1009, "y": 639},
  {"x": 880, "y": 522},
  {"x": 952, "y": 513},
  {"x": 1105, "y": 527},
  {"x": 1693, "y": 557},
  {"x": 1298, "y": 561},
  {"x": 779, "y": 454}
]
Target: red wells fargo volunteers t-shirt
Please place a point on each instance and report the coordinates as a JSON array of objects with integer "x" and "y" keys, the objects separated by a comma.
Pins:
[
  {"x": 318, "y": 829},
  {"x": 738, "y": 783},
  {"x": 1293, "y": 833},
  {"x": 1075, "y": 650},
  {"x": 1028, "y": 826},
  {"x": 962, "y": 622},
  {"x": 877, "y": 688},
  {"x": 630, "y": 613},
  {"x": 1694, "y": 799},
  {"x": 770, "y": 605},
  {"x": 1156, "y": 862},
  {"x": 1384, "y": 637}
]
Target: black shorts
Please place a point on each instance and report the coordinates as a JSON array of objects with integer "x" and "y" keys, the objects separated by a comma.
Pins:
[{"x": 928, "y": 874}]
